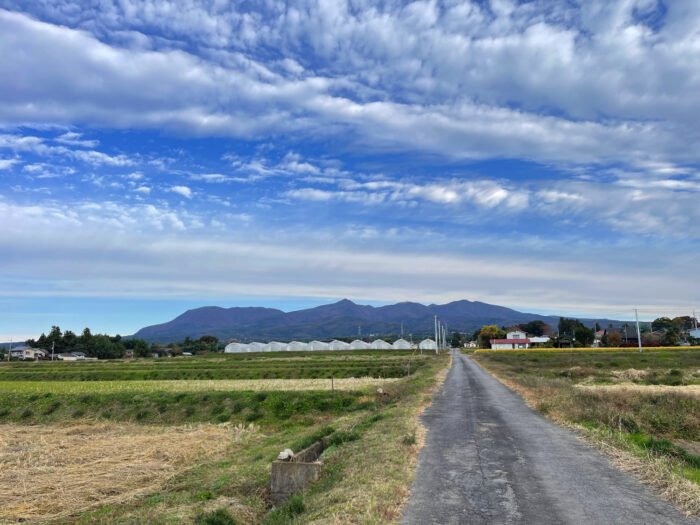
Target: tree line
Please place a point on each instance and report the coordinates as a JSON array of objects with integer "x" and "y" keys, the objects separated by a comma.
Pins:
[{"x": 103, "y": 346}]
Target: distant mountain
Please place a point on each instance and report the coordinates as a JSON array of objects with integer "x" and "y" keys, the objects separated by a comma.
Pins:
[{"x": 342, "y": 319}]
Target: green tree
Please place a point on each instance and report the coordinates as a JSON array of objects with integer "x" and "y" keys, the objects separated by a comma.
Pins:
[
  {"x": 662, "y": 323},
  {"x": 489, "y": 332},
  {"x": 535, "y": 328}
]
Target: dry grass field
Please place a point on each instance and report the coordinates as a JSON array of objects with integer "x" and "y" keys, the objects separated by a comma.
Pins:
[
  {"x": 51, "y": 471},
  {"x": 194, "y": 450}
]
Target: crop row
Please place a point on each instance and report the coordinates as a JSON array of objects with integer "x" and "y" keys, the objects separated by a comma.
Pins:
[{"x": 240, "y": 373}]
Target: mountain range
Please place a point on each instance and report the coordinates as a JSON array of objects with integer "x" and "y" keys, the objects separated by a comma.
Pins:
[{"x": 341, "y": 319}]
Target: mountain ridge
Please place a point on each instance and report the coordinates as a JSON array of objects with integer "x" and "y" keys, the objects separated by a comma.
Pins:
[{"x": 344, "y": 318}]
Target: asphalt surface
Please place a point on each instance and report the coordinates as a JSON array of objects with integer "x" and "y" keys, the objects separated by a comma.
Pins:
[{"x": 488, "y": 458}]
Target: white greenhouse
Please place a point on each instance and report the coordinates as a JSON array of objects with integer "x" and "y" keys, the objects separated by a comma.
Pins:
[
  {"x": 380, "y": 344},
  {"x": 296, "y": 346},
  {"x": 235, "y": 348},
  {"x": 338, "y": 345},
  {"x": 256, "y": 347},
  {"x": 276, "y": 346},
  {"x": 401, "y": 344},
  {"x": 427, "y": 344},
  {"x": 359, "y": 345},
  {"x": 318, "y": 345}
]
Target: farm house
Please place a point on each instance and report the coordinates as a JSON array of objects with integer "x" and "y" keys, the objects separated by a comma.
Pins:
[
  {"x": 380, "y": 344},
  {"x": 235, "y": 348},
  {"x": 427, "y": 344},
  {"x": 318, "y": 345},
  {"x": 296, "y": 346},
  {"x": 359, "y": 345},
  {"x": 338, "y": 345},
  {"x": 401, "y": 344}
]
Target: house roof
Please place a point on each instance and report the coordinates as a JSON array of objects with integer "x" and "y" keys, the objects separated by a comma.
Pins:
[{"x": 501, "y": 341}]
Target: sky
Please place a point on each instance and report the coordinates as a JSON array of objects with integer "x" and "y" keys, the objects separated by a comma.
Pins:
[{"x": 158, "y": 155}]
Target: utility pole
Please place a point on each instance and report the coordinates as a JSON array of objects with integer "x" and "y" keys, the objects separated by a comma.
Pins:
[
  {"x": 53, "y": 345},
  {"x": 639, "y": 334},
  {"x": 437, "y": 345},
  {"x": 9, "y": 352}
]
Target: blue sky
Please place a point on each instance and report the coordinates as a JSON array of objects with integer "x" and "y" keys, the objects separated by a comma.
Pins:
[{"x": 156, "y": 156}]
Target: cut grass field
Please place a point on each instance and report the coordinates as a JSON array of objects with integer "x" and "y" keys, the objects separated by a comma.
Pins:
[
  {"x": 217, "y": 444},
  {"x": 592, "y": 391}
]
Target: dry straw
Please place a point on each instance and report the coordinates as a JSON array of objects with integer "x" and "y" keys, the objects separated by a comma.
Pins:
[{"x": 52, "y": 471}]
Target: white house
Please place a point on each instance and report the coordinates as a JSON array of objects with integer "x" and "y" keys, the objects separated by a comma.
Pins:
[
  {"x": 539, "y": 340},
  {"x": 516, "y": 334},
  {"x": 338, "y": 345},
  {"x": 380, "y": 344},
  {"x": 359, "y": 345},
  {"x": 427, "y": 344},
  {"x": 401, "y": 344},
  {"x": 510, "y": 343},
  {"x": 27, "y": 352}
]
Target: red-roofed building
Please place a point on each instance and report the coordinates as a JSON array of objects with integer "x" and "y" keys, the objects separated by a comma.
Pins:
[{"x": 515, "y": 340}]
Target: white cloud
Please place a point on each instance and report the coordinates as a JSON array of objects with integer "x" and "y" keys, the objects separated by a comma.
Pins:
[
  {"x": 450, "y": 87},
  {"x": 72, "y": 138},
  {"x": 182, "y": 190},
  {"x": 7, "y": 163},
  {"x": 142, "y": 255},
  {"x": 143, "y": 189}
]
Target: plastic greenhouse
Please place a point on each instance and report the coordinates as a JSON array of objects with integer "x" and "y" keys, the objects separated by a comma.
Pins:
[
  {"x": 401, "y": 344},
  {"x": 338, "y": 345},
  {"x": 380, "y": 344},
  {"x": 296, "y": 346},
  {"x": 276, "y": 346},
  {"x": 256, "y": 347},
  {"x": 318, "y": 345},
  {"x": 235, "y": 348},
  {"x": 427, "y": 344},
  {"x": 359, "y": 345}
]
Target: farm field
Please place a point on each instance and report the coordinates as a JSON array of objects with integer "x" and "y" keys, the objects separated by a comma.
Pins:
[
  {"x": 187, "y": 450},
  {"x": 645, "y": 405},
  {"x": 280, "y": 365}
]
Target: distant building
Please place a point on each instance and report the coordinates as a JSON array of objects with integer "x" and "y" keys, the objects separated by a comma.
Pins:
[
  {"x": 510, "y": 343},
  {"x": 695, "y": 333},
  {"x": 27, "y": 352},
  {"x": 516, "y": 334},
  {"x": 538, "y": 341}
]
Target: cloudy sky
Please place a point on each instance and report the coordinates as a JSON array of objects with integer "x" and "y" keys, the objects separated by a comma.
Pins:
[{"x": 159, "y": 155}]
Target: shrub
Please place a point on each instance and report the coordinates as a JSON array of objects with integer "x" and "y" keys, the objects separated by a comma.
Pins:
[{"x": 216, "y": 517}]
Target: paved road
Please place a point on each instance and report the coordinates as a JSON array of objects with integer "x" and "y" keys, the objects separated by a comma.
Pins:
[{"x": 489, "y": 458}]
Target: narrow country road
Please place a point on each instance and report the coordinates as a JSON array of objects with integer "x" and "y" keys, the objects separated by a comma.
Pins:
[{"x": 489, "y": 458}]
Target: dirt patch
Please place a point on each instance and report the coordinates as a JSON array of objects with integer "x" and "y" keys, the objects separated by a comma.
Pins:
[
  {"x": 53, "y": 470},
  {"x": 693, "y": 390}
]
